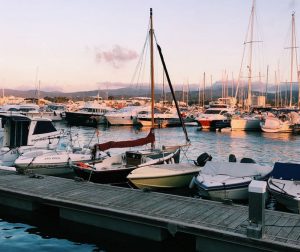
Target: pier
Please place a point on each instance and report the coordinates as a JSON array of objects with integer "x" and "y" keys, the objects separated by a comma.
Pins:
[{"x": 214, "y": 226}]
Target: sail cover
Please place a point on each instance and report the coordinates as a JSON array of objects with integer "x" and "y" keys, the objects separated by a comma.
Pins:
[{"x": 129, "y": 143}]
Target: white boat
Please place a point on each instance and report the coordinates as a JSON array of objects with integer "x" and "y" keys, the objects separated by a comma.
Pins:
[
  {"x": 21, "y": 134},
  {"x": 162, "y": 118},
  {"x": 228, "y": 180},
  {"x": 163, "y": 176},
  {"x": 246, "y": 123},
  {"x": 273, "y": 124},
  {"x": 284, "y": 185},
  {"x": 53, "y": 162},
  {"x": 30, "y": 110},
  {"x": 124, "y": 116}
]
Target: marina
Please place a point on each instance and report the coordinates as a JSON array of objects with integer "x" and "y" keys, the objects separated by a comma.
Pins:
[{"x": 158, "y": 161}]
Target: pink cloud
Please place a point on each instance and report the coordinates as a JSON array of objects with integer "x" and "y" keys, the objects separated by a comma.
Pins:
[{"x": 116, "y": 56}]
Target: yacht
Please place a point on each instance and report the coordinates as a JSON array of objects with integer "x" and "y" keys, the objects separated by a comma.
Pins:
[
  {"x": 212, "y": 116},
  {"x": 124, "y": 116},
  {"x": 21, "y": 134},
  {"x": 91, "y": 114}
]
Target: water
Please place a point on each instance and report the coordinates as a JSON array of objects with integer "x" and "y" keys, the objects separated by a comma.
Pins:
[{"x": 18, "y": 234}]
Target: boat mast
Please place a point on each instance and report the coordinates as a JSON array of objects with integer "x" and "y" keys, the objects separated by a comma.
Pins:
[
  {"x": 211, "y": 91},
  {"x": 152, "y": 69},
  {"x": 292, "y": 58},
  {"x": 267, "y": 82},
  {"x": 249, "y": 103},
  {"x": 293, "y": 48},
  {"x": 203, "y": 95}
]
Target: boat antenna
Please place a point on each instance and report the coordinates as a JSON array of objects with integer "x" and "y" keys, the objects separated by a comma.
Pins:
[{"x": 172, "y": 91}]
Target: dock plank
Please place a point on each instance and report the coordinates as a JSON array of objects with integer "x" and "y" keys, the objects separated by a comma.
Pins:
[{"x": 192, "y": 214}]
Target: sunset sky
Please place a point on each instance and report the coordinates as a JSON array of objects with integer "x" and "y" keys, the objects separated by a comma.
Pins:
[{"x": 72, "y": 45}]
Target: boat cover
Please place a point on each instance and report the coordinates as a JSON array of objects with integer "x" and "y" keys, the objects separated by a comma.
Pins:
[
  {"x": 235, "y": 169},
  {"x": 129, "y": 143},
  {"x": 286, "y": 171}
]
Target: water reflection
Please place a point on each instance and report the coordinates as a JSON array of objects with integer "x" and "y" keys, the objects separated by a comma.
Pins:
[{"x": 280, "y": 136}]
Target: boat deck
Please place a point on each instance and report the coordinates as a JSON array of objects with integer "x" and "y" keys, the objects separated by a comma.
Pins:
[{"x": 214, "y": 225}]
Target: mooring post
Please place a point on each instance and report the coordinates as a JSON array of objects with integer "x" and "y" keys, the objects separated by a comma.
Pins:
[{"x": 257, "y": 199}]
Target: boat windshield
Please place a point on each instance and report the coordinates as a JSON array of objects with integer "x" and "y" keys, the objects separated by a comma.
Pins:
[{"x": 62, "y": 145}]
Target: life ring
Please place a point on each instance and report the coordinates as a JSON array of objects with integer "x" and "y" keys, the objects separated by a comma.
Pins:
[{"x": 82, "y": 165}]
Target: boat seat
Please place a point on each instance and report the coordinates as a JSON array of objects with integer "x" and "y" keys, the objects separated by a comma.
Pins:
[
  {"x": 248, "y": 160},
  {"x": 232, "y": 158}
]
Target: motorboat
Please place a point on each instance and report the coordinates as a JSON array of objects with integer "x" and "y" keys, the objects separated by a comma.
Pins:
[
  {"x": 272, "y": 124},
  {"x": 228, "y": 180},
  {"x": 163, "y": 176},
  {"x": 30, "y": 110},
  {"x": 284, "y": 185},
  {"x": 91, "y": 114},
  {"x": 124, "y": 116},
  {"x": 163, "y": 117},
  {"x": 211, "y": 116},
  {"x": 54, "y": 162},
  {"x": 21, "y": 134}
]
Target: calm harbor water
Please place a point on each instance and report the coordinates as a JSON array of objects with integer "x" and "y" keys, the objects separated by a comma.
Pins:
[{"x": 18, "y": 234}]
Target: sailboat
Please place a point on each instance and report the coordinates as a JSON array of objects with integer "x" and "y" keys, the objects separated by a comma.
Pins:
[
  {"x": 288, "y": 117},
  {"x": 164, "y": 176},
  {"x": 115, "y": 169},
  {"x": 247, "y": 122}
]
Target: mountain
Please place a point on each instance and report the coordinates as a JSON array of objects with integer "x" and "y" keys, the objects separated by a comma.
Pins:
[{"x": 133, "y": 91}]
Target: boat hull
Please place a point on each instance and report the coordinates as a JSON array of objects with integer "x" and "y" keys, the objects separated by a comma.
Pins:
[
  {"x": 115, "y": 171},
  {"x": 241, "y": 124},
  {"x": 84, "y": 119},
  {"x": 124, "y": 120},
  {"x": 162, "y": 177},
  {"x": 235, "y": 192},
  {"x": 104, "y": 176},
  {"x": 286, "y": 193},
  {"x": 289, "y": 202}
]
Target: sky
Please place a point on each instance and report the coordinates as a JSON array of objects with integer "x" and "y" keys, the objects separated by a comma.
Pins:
[{"x": 77, "y": 45}]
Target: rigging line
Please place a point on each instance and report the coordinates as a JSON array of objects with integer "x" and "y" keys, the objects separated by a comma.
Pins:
[
  {"x": 140, "y": 59},
  {"x": 139, "y": 64},
  {"x": 142, "y": 66},
  {"x": 144, "y": 56},
  {"x": 92, "y": 136}
]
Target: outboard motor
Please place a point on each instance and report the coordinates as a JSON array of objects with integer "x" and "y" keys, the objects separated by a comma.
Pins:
[
  {"x": 247, "y": 160},
  {"x": 232, "y": 158},
  {"x": 202, "y": 159}
]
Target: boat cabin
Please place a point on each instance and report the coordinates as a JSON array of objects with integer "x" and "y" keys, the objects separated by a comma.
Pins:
[{"x": 19, "y": 130}]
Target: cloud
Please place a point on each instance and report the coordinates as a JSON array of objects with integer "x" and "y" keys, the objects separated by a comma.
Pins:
[{"x": 117, "y": 56}]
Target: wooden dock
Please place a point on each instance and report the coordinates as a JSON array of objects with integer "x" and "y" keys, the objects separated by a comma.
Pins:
[{"x": 215, "y": 226}]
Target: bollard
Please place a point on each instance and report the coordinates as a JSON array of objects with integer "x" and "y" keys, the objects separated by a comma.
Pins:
[{"x": 257, "y": 198}]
